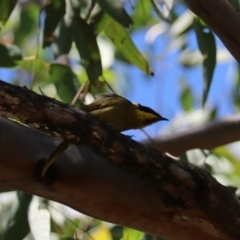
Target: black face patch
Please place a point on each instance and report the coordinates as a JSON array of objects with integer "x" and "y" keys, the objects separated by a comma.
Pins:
[{"x": 149, "y": 110}]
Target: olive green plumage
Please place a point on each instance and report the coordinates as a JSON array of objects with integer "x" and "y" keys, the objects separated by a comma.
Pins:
[{"x": 121, "y": 113}]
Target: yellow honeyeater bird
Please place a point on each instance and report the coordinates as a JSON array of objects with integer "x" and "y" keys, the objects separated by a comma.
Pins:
[
  {"x": 118, "y": 112},
  {"x": 121, "y": 113}
]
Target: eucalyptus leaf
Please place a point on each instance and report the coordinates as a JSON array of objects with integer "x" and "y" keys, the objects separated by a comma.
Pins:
[
  {"x": 63, "y": 38},
  {"x": 236, "y": 93},
  {"x": 65, "y": 81},
  {"x": 18, "y": 226},
  {"x": 121, "y": 39},
  {"x": 116, "y": 10},
  {"x": 132, "y": 234},
  {"x": 235, "y": 4},
  {"x": 85, "y": 40},
  {"x": 162, "y": 8},
  {"x": 10, "y": 54},
  {"x": 142, "y": 15},
  {"x": 186, "y": 98},
  {"x": 6, "y": 8},
  {"x": 55, "y": 11},
  {"x": 28, "y": 17},
  {"x": 207, "y": 46}
]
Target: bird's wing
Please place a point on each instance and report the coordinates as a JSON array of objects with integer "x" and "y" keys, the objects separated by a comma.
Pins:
[{"x": 103, "y": 101}]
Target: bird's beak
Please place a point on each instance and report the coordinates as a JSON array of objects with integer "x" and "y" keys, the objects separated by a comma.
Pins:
[{"x": 163, "y": 119}]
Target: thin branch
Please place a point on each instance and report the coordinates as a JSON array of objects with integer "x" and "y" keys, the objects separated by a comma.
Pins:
[{"x": 207, "y": 136}]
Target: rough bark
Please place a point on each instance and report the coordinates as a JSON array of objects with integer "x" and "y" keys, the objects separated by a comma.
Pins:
[
  {"x": 222, "y": 18},
  {"x": 109, "y": 176}
]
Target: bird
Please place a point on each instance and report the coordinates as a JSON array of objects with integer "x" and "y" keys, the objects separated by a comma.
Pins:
[{"x": 121, "y": 113}]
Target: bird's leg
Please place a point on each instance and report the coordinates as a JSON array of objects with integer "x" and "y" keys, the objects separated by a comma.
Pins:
[
  {"x": 64, "y": 144},
  {"x": 57, "y": 151}
]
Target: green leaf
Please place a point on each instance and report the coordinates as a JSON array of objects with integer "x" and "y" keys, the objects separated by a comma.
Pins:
[
  {"x": 235, "y": 4},
  {"x": 238, "y": 77},
  {"x": 6, "y": 8},
  {"x": 121, "y": 39},
  {"x": 184, "y": 158},
  {"x": 163, "y": 8},
  {"x": 63, "y": 38},
  {"x": 152, "y": 237},
  {"x": 142, "y": 15},
  {"x": 67, "y": 238},
  {"x": 132, "y": 234},
  {"x": 18, "y": 226},
  {"x": 116, "y": 232},
  {"x": 9, "y": 55},
  {"x": 182, "y": 24},
  {"x": 116, "y": 11},
  {"x": 28, "y": 17},
  {"x": 236, "y": 94},
  {"x": 86, "y": 43},
  {"x": 223, "y": 151},
  {"x": 186, "y": 98},
  {"x": 65, "y": 81},
  {"x": 213, "y": 114},
  {"x": 207, "y": 46},
  {"x": 41, "y": 70},
  {"x": 70, "y": 227},
  {"x": 55, "y": 11}
]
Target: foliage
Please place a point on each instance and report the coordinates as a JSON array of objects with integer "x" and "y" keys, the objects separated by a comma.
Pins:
[{"x": 58, "y": 47}]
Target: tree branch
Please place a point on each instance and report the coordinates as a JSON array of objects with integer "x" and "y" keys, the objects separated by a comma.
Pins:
[
  {"x": 110, "y": 176},
  {"x": 222, "y": 18},
  {"x": 207, "y": 136}
]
